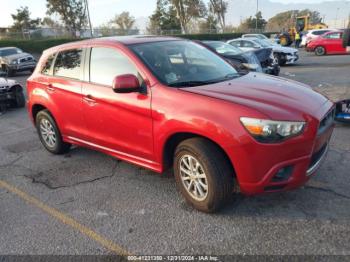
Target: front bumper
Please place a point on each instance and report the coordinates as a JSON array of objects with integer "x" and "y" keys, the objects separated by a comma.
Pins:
[
  {"x": 260, "y": 164},
  {"x": 292, "y": 58}
]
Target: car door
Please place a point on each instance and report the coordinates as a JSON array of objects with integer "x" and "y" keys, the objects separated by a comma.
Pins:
[
  {"x": 120, "y": 123},
  {"x": 63, "y": 88},
  {"x": 333, "y": 43}
]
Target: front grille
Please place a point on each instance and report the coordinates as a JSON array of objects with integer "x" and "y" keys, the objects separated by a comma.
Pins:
[{"x": 326, "y": 121}]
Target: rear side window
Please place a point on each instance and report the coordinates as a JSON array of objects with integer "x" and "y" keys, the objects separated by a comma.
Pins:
[
  {"x": 336, "y": 35},
  {"x": 68, "y": 63},
  {"x": 236, "y": 43},
  {"x": 47, "y": 66},
  {"x": 247, "y": 44},
  {"x": 107, "y": 63},
  {"x": 321, "y": 32}
]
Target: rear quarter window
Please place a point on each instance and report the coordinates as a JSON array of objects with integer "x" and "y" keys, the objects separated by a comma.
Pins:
[{"x": 46, "y": 69}]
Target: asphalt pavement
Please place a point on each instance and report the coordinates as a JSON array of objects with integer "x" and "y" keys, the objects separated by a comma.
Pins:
[{"x": 86, "y": 202}]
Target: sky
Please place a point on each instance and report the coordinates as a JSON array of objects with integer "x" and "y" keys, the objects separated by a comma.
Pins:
[{"x": 101, "y": 10}]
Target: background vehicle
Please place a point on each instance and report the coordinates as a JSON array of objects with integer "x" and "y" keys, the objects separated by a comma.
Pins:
[
  {"x": 259, "y": 36},
  {"x": 302, "y": 24},
  {"x": 14, "y": 60},
  {"x": 260, "y": 60},
  {"x": 308, "y": 36},
  {"x": 283, "y": 55},
  {"x": 346, "y": 39},
  {"x": 11, "y": 94},
  {"x": 342, "y": 113},
  {"x": 159, "y": 102},
  {"x": 328, "y": 43}
]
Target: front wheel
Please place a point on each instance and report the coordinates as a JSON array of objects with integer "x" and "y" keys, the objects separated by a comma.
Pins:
[
  {"x": 20, "y": 100},
  {"x": 320, "y": 51},
  {"x": 203, "y": 174},
  {"x": 49, "y": 134}
]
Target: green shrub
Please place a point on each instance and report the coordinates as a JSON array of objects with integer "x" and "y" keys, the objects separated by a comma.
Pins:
[{"x": 35, "y": 46}]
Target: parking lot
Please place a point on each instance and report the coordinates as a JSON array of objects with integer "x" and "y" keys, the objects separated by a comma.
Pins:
[{"x": 86, "y": 202}]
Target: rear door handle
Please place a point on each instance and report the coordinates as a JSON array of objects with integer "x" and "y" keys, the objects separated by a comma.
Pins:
[
  {"x": 50, "y": 88},
  {"x": 89, "y": 99}
]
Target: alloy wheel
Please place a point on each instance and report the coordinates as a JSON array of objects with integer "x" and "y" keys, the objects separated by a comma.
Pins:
[
  {"x": 193, "y": 177},
  {"x": 47, "y": 132}
]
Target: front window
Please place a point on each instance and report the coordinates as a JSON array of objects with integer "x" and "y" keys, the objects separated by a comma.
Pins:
[
  {"x": 333, "y": 36},
  {"x": 183, "y": 63},
  {"x": 107, "y": 63}
]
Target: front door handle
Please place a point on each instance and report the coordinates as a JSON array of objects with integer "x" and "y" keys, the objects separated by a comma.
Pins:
[{"x": 89, "y": 99}]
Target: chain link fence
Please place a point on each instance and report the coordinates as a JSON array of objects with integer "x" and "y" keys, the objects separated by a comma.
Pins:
[{"x": 52, "y": 33}]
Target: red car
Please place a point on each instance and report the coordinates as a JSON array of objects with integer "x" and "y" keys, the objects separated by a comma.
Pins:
[
  {"x": 330, "y": 43},
  {"x": 162, "y": 102}
]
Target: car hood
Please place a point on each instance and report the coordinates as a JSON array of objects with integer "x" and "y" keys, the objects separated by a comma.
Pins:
[
  {"x": 7, "y": 82},
  {"x": 284, "y": 49},
  {"x": 277, "y": 98},
  {"x": 17, "y": 56}
]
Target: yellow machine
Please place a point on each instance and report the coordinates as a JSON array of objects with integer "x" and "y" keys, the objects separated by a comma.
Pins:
[{"x": 302, "y": 24}]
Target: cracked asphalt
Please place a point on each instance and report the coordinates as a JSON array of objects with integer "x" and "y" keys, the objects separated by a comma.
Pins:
[{"x": 142, "y": 212}]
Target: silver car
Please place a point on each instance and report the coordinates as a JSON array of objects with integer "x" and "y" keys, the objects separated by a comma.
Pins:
[{"x": 13, "y": 59}]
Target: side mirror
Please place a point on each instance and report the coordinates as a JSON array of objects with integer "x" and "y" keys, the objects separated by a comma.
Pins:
[{"x": 126, "y": 84}]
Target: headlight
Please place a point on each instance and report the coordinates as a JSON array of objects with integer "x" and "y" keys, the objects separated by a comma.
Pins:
[
  {"x": 269, "y": 131},
  {"x": 13, "y": 62}
]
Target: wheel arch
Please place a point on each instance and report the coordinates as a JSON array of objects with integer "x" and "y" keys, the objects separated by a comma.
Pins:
[{"x": 175, "y": 139}]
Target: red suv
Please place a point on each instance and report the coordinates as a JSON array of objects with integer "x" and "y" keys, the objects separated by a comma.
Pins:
[{"x": 161, "y": 102}]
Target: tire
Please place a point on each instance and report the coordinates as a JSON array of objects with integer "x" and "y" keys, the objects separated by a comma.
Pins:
[
  {"x": 218, "y": 174},
  {"x": 20, "y": 100},
  {"x": 9, "y": 72},
  {"x": 320, "y": 51},
  {"x": 280, "y": 59},
  {"x": 44, "y": 121}
]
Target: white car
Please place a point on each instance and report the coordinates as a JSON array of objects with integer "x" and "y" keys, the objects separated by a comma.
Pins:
[
  {"x": 308, "y": 36},
  {"x": 284, "y": 55}
]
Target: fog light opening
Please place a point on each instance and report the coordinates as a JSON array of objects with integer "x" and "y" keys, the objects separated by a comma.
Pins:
[{"x": 283, "y": 174}]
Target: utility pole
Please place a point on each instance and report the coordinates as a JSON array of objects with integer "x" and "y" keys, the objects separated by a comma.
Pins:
[
  {"x": 256, "y": 15},
  {"x": 88, "y": 16}
]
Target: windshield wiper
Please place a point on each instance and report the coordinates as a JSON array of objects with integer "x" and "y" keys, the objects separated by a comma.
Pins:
[{"x": 190, "y": 83}]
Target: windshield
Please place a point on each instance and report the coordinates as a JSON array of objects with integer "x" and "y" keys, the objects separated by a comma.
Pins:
[
  {"x": 10, "y": 51},
  {"x": 263, "y": 43},
  {"x": 183, "y": 63},
  {"x": 224, "y": 48}
]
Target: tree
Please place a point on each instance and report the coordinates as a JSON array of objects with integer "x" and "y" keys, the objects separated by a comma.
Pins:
[
  {"x": 72, "y": 13},
  {"x": 50, "y": 23},
  {"x": 163, "y": 18},
  {"x": 187, "y": 10},
  {"x": 257, "y": 22},
  {"x": 22, "y": 20},
  {"x": 219, "y": 9},
  {"x": 124, "y": 21},
  {"x": 210, "y": 23}
]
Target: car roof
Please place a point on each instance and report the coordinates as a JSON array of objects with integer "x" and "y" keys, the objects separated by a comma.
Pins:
[
  {"x": 124, "y": 40},
  {"x": 8, "y": 47}
]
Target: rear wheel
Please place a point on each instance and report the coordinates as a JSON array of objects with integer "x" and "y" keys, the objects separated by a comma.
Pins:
[
  {"x": 203, "y": 174},
  {"x": 320, "y": 50},
  {"x": 49, "y": 134}
]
